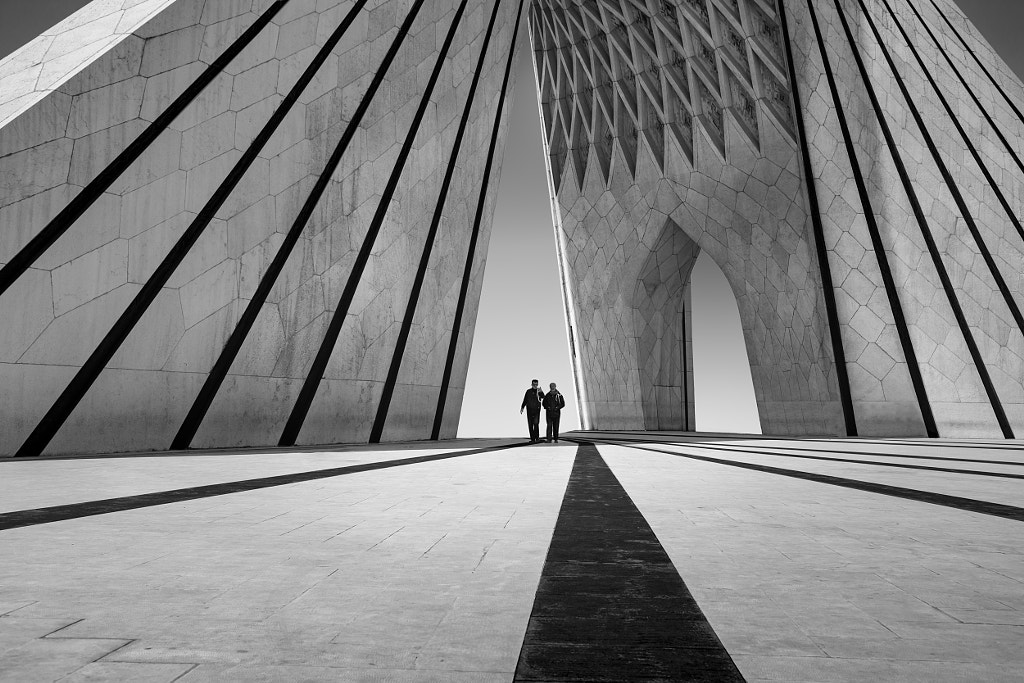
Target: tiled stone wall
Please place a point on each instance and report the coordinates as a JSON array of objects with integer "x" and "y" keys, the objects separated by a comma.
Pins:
[
  {"x": 951, "y": 378},
  {"x": 670, "y": 127},
  {"x": 730, "y": 183},
  {"x": 680, "y": 114},
  {"x": 65, "y": 114},
  {"x": 661, "y": 302}
]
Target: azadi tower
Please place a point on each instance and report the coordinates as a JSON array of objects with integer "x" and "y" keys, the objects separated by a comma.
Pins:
[{"x": 249, "y": 222}]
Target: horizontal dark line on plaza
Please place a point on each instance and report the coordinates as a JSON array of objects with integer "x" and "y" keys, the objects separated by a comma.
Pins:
[
  {"x": 997, "y": 444},
  {"x": 60, "y": 513},
  {"x": 744, "y": 449},
  {"x": 956, "y": 502},
  {"x": 873, "y": 463},
  {"x": 243, "y": 451}
]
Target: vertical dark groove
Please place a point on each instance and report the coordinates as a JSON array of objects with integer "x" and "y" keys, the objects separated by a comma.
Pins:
[
  {"x": 955, "y": 119},
  {"x": 881, "y": 256},
  {"x": 316, "y": 371},
  {"x": 410, "y": 310},
  {"x": 196, "y": 414},
  {"x": 463, "y": 291},
  {"x": 97, "y": 361},
  {"x": 947, "y": 177},
  {"x": 827, "y": 287},
  {"x": 967, "y": 47},
  {"x": 74, "y": 209},
  {"x": 686, "y": 371},
  {"x": 951, "y": 184}
]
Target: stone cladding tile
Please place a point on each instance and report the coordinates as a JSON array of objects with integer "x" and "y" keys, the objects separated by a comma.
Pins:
[{"x": 131, "y": 63}]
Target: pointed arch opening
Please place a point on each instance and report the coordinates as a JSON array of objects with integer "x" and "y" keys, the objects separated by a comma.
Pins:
[{"x": 723, "y": 386}]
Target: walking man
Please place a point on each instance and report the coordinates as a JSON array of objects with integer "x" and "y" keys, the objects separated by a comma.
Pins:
[
  {"x": 532, "y": 402},
  {"x": 553, "y": 404}
]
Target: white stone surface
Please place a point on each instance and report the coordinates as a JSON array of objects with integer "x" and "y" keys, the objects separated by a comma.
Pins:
[
  {"x": 65, "y": 134},
  {"x": 669, "y": 132},
  {"x": 808, "y": 582},
  {"x": 666, "y": 127},
  {"x": 428, "y": 572},
  {"x": 678, "y": 112},
  {"x": 420, "y": 572}
]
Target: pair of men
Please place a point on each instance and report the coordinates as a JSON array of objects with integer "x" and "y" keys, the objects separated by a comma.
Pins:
[{"x": 552, "y": 403}]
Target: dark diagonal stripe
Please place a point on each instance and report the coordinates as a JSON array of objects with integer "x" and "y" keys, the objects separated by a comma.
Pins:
[
  {"x": 970, "y": 51},
  {"x": 955, "y": 117},
  {"x": 956, "y": 502},
  {"x": 954, "y": 189},
  {"x": 773, "y": 454},
  {"x": 59, "y": 513},
  {"x": 947, "y": 176},
  {"x": 460, "y": 309},
  {"x": 97, "y": 361},
  {"x": 881, "y": 257},
  {"x": 421, "y": 272},
  {"x": 316, "y": 371},
  {"x": 194, "y": 418},
  {"x": 895, "y": 441},
  {"x": 827, "y": 286},
  {"x": 74, "y": 209},
  {"x": 933, "y": 250},
  {"x": 899, "y": 456},
  {"x": 610, "y": 605},
  {"x": 968, "y": 89}
]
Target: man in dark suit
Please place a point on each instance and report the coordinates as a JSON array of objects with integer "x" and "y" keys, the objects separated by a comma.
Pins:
[
  {"x": 532, "y": 402},
  {"x": 553, "y": 403}
]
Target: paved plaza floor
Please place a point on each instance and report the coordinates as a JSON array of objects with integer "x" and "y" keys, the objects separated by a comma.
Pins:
[{"x": 611, "y": 556}]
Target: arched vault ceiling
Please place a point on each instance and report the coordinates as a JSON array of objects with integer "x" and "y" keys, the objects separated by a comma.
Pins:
[{"x": 636, "y": 72}]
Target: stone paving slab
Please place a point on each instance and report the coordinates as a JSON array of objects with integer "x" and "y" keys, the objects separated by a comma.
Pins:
[
  {"x": 807, "y": 582},
  {"x": 416, "y": 568},
  {"x": 429, "y": 571},
  {"x": 24, "y": 484}
]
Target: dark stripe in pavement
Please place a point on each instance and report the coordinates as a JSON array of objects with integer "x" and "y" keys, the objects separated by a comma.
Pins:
[
  {"x": 941, "y": 442},
  {"x": 59, "y": 513},
  {"x": 877, "y": 454},
  {"x": 968, "y": 504},
  {"x": 826, "y": 458},
  {"x": 610, "y": 605}
]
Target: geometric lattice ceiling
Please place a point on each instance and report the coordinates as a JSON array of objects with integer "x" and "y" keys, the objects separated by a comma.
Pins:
[{"x": 632, "y": 72}]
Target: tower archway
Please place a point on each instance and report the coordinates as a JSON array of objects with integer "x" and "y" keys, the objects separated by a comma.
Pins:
[
  {"x": 721, "y": 380},
  {"x": 661, "y": 305}
]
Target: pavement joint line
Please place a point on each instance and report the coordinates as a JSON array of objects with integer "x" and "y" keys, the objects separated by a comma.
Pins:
[
  {"x": 58, "y": 513},
  {"x": 949, "y": 470},
  {"x": 610, "y": 604},
  {"x": 955, "y": 502}
]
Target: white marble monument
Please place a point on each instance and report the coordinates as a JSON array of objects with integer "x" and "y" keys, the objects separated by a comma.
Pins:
[
  {"x": 259, "y": 222},
  {"x": 852, "y": 166}
]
